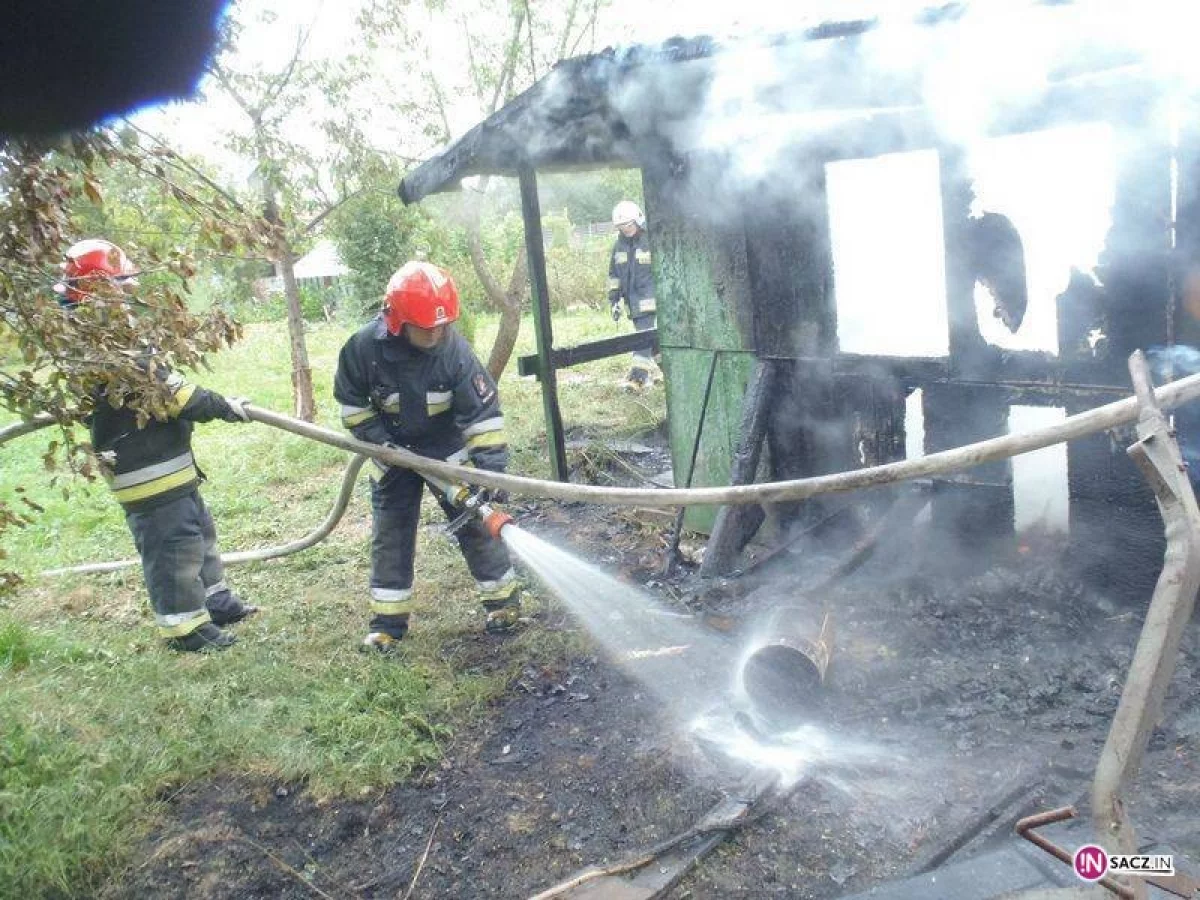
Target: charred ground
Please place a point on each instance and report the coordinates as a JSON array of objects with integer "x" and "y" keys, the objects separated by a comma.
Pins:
[{"x": 971, "y": 689}]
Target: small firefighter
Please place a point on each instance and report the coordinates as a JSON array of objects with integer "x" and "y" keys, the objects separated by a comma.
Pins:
[
  {"x": 154, "y": 476},
  {"x": 631, "y": 281},
  {"x": 409, "y": 379}
]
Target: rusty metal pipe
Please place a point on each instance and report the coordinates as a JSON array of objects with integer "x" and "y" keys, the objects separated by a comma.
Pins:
[
  {"x": 785, "y": 672},
  {"x": 1025, "y": 828},
  {"x": 1157, "y": 455}
]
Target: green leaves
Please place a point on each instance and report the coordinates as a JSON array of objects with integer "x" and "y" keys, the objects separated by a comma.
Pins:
[{"x": 99, "y": 184}]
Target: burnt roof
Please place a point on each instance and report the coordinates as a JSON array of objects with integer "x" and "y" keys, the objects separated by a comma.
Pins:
[
  {"x": 619, "y": 106},
  {"x": 574, "y": 117}
]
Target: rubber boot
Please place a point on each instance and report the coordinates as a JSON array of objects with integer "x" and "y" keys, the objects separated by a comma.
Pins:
[
  {"x": 386, "y": 633},
  {"x": 502, "y": 616},
  {"x": 206, "y": 638},
  {"x": 635, "y": 381},
  {"x": 228, "y": 608}
]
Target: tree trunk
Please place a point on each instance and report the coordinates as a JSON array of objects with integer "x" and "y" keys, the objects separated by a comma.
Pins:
[
  {"x": 510, "y": 317},
  {"x": 302, "y": 387},
  {"x": 508, "y": 301}
]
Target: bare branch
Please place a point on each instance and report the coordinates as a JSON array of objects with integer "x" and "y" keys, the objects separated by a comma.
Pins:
[
  {"x": 278, "y": 85},
  {"x": 511, "y": 53},
  {"x": 329, "y": 210},
  {"x": 226, "y": 81},
  {"x": 532, "y": 52},
  {"x": 175, "y": 157},
  {"x": 572, "y": 10}
]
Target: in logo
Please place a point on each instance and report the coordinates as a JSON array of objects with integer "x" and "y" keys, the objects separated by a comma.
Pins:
[{"x": 1090, "y": 862}]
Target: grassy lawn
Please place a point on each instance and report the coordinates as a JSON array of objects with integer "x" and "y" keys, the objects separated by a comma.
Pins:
[{"x": 99, "y": 723}]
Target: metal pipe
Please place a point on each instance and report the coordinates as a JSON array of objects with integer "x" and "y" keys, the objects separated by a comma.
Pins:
[
  {"x": 1157, "y": 455},
  {"x": 784, "y": 674},
  {"x": 1025, "y": 826}
]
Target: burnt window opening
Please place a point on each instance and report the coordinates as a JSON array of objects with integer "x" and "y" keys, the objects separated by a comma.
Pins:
[
  {"x": 997, "y": 260},
  {"x": 1052, "y": 194},
  {"x": 914, "y": 424},
  {"x": 889, "y": 266},
  {"x": 1041, "y": 493}
]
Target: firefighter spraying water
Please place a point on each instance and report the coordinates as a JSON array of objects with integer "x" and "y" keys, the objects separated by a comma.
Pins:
[{"x": 409, "y": 380}]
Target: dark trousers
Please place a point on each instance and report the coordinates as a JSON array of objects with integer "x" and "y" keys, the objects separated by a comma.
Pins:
[
  {"x": 396, "y": 509},
  {"x": 642, "y": 358},
  {"x": 177, "y": 542}
]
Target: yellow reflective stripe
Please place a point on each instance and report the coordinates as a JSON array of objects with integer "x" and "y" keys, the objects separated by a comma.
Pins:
[
  {"x": 495, "y": 423},
  {"x": 500, "y": 594},
  {"x": 181, "y": 398},
  {"x": 614, "y": 283},
  {"x": 391, "y": 601},
  {"x": 156, "y": 485},
  {"x": 358, "y": 418},
  {"x": 504, "y": 582},
  {"x": 643, "y": 257},
  {"x": 391, "y": 607},
  {"x": 438, "y": 401},
  {"x": 647, "y": 305},
  {"x": 181, "y": 624},
  {"x": 486, "y": 439}
]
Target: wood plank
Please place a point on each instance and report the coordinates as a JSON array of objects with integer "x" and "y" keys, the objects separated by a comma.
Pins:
[{"x": 565, "y": 357}]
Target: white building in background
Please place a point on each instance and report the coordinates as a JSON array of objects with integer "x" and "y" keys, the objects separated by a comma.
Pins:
[
  {"x": 322, "y": 261},
  {"x": 318, "y": 271}
]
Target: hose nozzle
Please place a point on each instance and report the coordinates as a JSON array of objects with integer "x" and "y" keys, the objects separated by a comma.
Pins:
[
  {"x": 493, "y": 519},
  {"x": 474, "y": 506}
]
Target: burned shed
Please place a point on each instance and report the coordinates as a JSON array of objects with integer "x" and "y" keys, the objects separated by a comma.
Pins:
[{"x": 876, "y": 239}]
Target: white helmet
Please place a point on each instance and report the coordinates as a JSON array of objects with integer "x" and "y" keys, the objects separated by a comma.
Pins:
[{"x": 627, "y": 211}]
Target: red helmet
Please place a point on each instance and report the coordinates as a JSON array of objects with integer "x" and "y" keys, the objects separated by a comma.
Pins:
[
  {"x": 420, "y": 294},
  {"x": 93, "y": 259}
]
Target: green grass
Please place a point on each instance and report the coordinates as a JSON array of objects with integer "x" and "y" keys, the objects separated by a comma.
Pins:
[{"x": 98, "y": 721}]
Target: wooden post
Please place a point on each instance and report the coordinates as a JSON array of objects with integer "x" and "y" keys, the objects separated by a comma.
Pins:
[
  {"x": 735, "y": 525},
  {"x": 535, "y": 254}
]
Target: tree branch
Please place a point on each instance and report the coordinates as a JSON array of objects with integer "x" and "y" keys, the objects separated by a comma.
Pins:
[
  {"x": 511, "y": 52},
  {"x": 328, "y": 210},
  {"x": 175, "y": 157}
]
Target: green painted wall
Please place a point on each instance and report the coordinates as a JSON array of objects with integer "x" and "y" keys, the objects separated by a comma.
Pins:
[
  {"x": 686, "y": 372},
  {"x": 701, "y": 284}
]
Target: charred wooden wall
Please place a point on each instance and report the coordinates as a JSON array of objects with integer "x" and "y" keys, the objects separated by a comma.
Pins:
[{"x": 756, "y": 281}]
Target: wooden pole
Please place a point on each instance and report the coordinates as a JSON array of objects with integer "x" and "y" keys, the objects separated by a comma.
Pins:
[{"x": 535, "y": 254}]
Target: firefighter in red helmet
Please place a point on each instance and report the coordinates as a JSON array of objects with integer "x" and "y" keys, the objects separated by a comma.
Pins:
[
  {"x": 153, "y": 475},
  {"x": 409, "y": 379}
]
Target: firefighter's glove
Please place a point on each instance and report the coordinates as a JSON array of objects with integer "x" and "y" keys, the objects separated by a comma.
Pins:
[
  {"x": 493, "y": 495},
  {"x": 237, "y": 409},
  {"x": 616, "y": 311}
]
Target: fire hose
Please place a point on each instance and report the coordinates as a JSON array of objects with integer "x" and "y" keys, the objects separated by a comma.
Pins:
[{"x": 1101, "y": 418}]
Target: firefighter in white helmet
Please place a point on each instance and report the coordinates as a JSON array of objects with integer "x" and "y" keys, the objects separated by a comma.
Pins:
[
  {"x": 631, "y": 285},
  {"x": 152, "y": 473}
]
